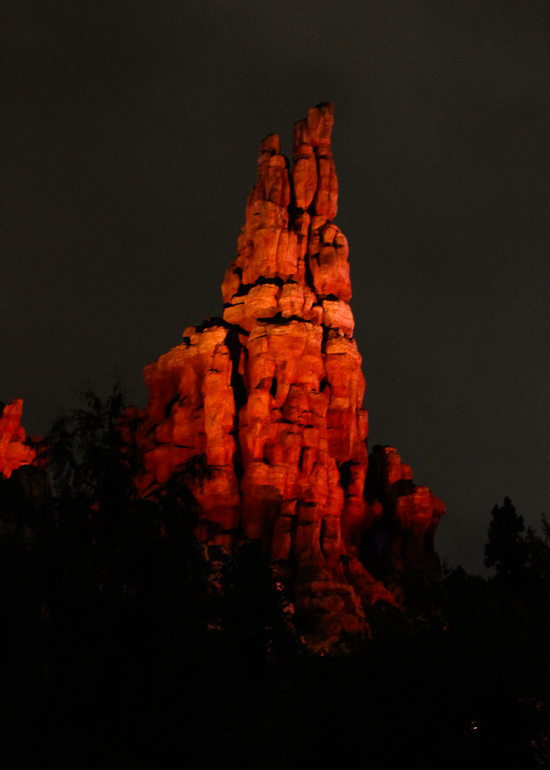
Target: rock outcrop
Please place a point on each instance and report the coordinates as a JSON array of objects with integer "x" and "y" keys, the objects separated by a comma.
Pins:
[
  {"x": 24, "y": 480},
  {"x": 271, "y": 396},
  {"x": 15, "y": 448}
]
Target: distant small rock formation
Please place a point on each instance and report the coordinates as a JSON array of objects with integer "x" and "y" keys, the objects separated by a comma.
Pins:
[
  {"x": 271, "y": 398},
  {"x": 15, "y": 448}
]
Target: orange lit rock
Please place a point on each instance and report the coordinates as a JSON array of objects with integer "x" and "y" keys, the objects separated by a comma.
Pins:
[
  {"x": 271, "y": 398},
  {"x": 328, "y": 262},
  {"x": 314, "y": 174},
  {"x": 14, "y": 447}
]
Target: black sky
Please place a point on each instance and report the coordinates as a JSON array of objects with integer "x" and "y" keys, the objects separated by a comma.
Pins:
[{"x": 129, "y": 135}]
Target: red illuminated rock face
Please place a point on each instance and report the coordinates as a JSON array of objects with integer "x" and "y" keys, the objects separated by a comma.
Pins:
[
  {"x": 14, "y": 447},
  {"x": 271, "y": 395}
]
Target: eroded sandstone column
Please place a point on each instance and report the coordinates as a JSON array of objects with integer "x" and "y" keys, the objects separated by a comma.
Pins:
[{"x": 272, "y": 395}]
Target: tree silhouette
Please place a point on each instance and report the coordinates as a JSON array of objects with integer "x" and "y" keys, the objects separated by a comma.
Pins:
[
  {"x": 505, "y": 549},
  {"x": 124, "y": 578},
  {"x": 85, "y": 447},
  {"x": 517, "y": 553}
]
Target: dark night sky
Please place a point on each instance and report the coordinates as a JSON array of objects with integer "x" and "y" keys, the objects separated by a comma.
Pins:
[{"x": 129, "y": 134}]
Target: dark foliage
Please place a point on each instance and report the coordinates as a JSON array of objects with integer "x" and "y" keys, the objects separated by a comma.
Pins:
[
  {"x": 518, "y": 555},
  {"x": 122, "y": 644},
  {"x": 255, "y": 618},
  {"x": 85, "y": 448}
]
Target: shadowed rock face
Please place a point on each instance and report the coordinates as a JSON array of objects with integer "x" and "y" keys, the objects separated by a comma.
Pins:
[{"x": 271, "y": 395}]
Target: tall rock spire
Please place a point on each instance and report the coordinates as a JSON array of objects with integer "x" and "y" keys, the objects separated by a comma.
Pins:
[{"x": 271, "y": 397}]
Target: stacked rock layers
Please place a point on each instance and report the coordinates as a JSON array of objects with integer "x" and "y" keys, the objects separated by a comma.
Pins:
[{"x": 272, "y": 393}]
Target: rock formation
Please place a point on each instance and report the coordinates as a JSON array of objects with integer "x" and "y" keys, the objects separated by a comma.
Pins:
[
  {"x": 271, "y": 397},
  {"x": 24, "y": 481},
  {"x": 15, "y": 448}
]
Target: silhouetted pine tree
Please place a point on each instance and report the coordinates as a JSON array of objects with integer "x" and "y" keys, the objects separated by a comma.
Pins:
[
  {"x": 505, "y": 548},
  {"x": 518, "y": 554}
]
